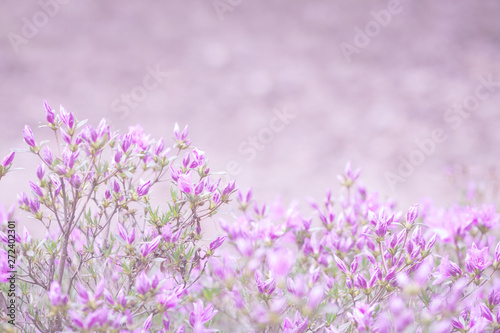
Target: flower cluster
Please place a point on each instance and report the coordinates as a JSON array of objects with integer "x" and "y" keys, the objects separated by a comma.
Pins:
[{"x": 112, "y": 261}]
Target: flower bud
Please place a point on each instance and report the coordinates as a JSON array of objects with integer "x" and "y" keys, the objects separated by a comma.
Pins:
[
  {"x": 315, "y": 296},
  {"x": 29, "y": 138},
  {"x": 22, "y": 199},
  {"x": 340, "y": 264},
  {"x": 122, "y": 232},
  {"x": 49, "y": 113},
  {"x": 199, "y": 188},
  {"x": 118, "y": 156},
  {"x": 40, "y": 171},
  {"x": 431, "y": 242},
  {"x": 67, "y": 117},
  {"x": 36, "y": 189},
  {"x": 83, "y": 294},
  {"x": 8, "y": 159},
  {"x": 166, "y": 322},
  {"x": 144, "y": 188},
  {"x": 54, "y": 293},
  {"x": 47, "y": 155},
  {"x": 116, "y": 186},
  {"x": 142, "y": 283},
  {"x": 361, "y": 281},
  {"x": 186, "y": 160},
  {"x": 99, "y": 289},
  {"x": 412, "y": 214},
  {"x": 34, "y": 205},
  {"x": 66, "y": 137},
  {"x": 76, "y": 181},
  {"x": 354, "y": 265},
  {"x": 457, "y": 324},
  {"x": 229, "y": 188},
  {"x": 167, "y": 232},
  {"x": 160, "y": 145},
  {"x": 147, "y": 323},
  {"x": 485, "y": 312},
  {"x": 217, "y": 243}
]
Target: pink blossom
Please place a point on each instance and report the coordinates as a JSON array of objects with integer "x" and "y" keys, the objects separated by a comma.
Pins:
[
  {"x": 184, "y": 183},
  {"x": 29, "y": 138},
  {"x": 8, "y": 159},
  {"x": 477, "y": 259},
  {"x": 144, "y": 188},
  {"x": 201, "y": 314}
]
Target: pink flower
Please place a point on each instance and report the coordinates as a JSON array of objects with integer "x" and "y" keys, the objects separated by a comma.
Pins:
[
  {"x": 185, "y": 184},
  {"x": 349, "y": 176},
  {"x": 36, "y": 189},
  {"x": 485, "y": 312},
  {"x": 160, "y": 145},
  {"x": 47, "y": 155},
  {"x": 311, "y": 245},
  {"x": 118, "y": 156},
  {"x": 265, "y": 287},
  {"x": 382, "y": 222},
  {"x": 83, "y": 294},
  {"x": 315, "y": 296},
  {"x": 166, "y": 321},
  {"x": 49, "y": 112},
  {"x": 244, "y": 199},
  {"x": 67, "y": 117},
  {"x": 280, "y": 261},
  {"x": 340, "y": 264},
  {"x": 147, "y": 248},
  {"x": 485, "y": 218},
  {"x": 121, "y": 298},
  {"x": 446, "y": 270},
  {"x": 217, "y": 243},
  {"x": 457, "y": 324},
  {"x": 296, "y": 286},
  {"x": 180, "y": 136},
  {"x": 186, "y": 160},
  {"x": 199, "y": 188},
  {"x": 142, "y": 283},
  {"x": 75, "y": 181},
  {"x": 34, "y": 205},
  {"x": 477, "y": 259},
  {"x": 169, "y": 300},
  {"x": 147, "y": 323},
  {"x": 229, "y": 188},
  {"x": 199, "y": 156},
  {"x": 29, "y": 138},
  {"x": 126, "y": 142},
  {"x": 362, "y": 315},
  {"x": 174, "y": 173},
  {"x": 412, "y": 214},
  {"x": 116, "y": 186},
  {"x": 298, "y": 325},
  {"x": 144, "y": 188},
  {"x": 55, "y": 295},
  {"x": 200, "y": 314},
  {"x": 8, "y": 159}
]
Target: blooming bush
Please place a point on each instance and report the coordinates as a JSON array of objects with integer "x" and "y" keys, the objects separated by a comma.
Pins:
[{"x": 113, "y": 261}]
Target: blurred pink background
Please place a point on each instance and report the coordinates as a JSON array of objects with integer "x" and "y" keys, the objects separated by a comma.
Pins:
[{"x": 226, "y": 68}]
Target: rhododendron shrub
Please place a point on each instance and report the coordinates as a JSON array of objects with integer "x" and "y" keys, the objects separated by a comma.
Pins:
[
  {"x": 110, "y": 260},
  {"x": 114, "y": 261}
]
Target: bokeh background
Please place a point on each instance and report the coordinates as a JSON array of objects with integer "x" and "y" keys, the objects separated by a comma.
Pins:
[{"x": 228, "y": 67}]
